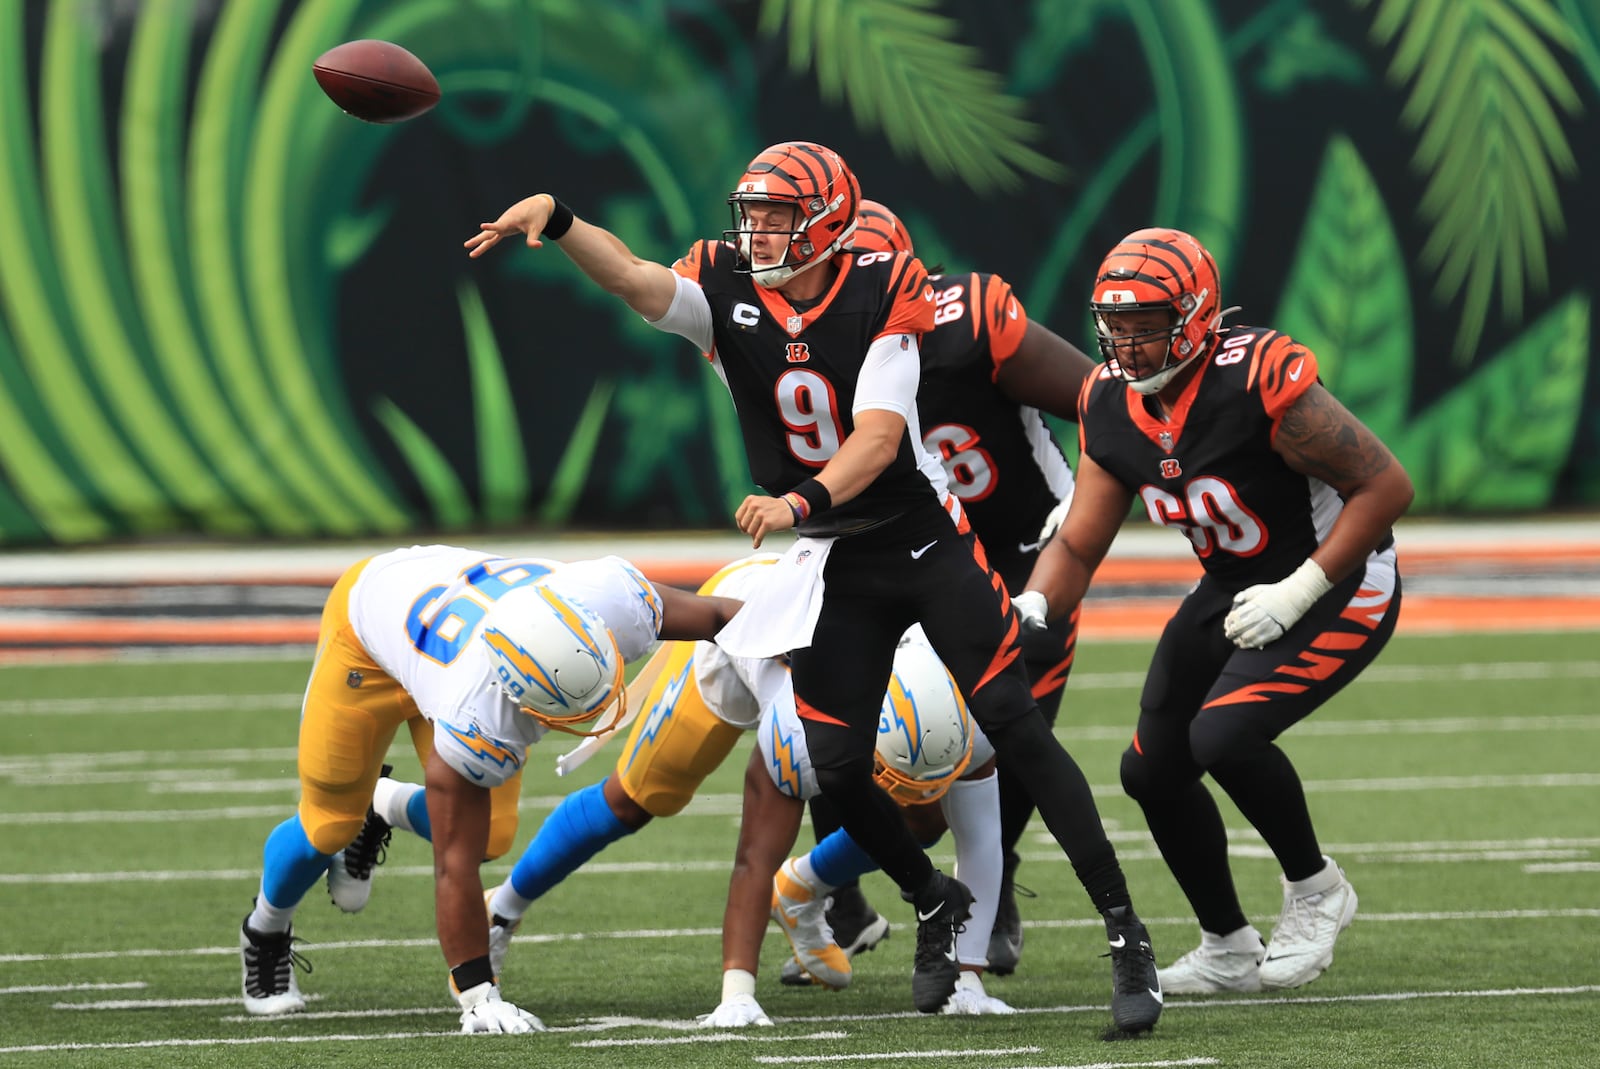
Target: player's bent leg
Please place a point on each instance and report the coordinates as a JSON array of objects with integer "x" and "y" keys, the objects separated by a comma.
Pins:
[{"x": 798, "y": 906}]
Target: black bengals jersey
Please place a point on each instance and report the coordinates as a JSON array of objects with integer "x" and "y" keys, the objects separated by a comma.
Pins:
[
  {"x": 1211, "y": 471},
  {"x": 793, "y": 372},
  {"x": 1001, "y": 458}
]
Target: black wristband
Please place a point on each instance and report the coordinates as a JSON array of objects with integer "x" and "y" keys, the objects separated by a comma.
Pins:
[
  {"x": 815, "y": 494},
  {"x": 560, "y": 221},
  {"x": 469, "y": 974}
]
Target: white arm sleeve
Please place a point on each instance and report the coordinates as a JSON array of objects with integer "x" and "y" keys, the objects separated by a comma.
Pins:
[
  {"x": 689, "y": 315},
  {"x": 889, "y": 375}
]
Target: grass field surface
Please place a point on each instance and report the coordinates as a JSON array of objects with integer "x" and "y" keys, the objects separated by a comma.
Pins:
[{"x": 1457, "y": 783}]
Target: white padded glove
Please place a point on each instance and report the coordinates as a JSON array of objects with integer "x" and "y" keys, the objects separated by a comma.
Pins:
[
  {"x": 1053, "y": 521},
  {"x": 1262, "y": 613},
  {"x": 483, "y": 1010},
  {"x": 740, "y": 1011},
  {"x": 1031, "y": 606}
]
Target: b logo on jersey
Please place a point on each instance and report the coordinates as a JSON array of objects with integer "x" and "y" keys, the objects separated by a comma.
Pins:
[
  {"x": 1170, "y": 469},
  {"x": 797, "y": 352},
  {"x": 744, "y": 318}
]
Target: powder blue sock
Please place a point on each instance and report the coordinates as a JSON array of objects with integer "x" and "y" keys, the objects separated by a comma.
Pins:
[
  {"x": 837, "y": 860},
  {"x": 417, "y": 813},
  {"x": 290, "y": 864},
  {"x": 579, "y": 828}
]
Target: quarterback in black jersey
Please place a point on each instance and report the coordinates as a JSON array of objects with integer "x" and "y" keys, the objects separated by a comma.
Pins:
[
  {"x": 818, "y": 348},
  {"x": 1289, "y": 503},
  {"x": 988, "y": 375}
]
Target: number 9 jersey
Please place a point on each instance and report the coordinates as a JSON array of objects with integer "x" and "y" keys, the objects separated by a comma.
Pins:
[{"x": 793, "y": 371}]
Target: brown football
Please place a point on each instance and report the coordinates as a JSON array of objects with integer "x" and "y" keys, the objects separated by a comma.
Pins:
[{"x": 376, "y": 81}]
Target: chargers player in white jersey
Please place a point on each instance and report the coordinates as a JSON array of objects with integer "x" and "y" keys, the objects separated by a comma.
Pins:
[
  {"x": 701, "y": 700},
  {"x": 478, "y": 655},
  {"x": 934, "y": 760}
]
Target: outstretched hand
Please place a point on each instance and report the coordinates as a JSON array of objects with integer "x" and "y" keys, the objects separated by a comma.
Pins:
[{"x": 527, "y": 216}]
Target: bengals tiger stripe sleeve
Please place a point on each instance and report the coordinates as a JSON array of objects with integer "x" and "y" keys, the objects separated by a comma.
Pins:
[{"x": 911, "y": 296}]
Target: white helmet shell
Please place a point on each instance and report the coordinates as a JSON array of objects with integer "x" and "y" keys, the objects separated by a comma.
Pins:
[
  {"x": 924, "y": 729},
  {"x": 555, "y": 658}
]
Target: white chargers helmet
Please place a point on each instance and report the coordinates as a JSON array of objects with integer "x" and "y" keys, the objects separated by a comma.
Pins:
[
  {"x": 555, "y": 658},
  {"x": 924, "y": 729}
]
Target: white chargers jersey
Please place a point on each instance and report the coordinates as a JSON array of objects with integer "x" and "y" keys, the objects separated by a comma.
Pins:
[{"x": 417, "y": 611}]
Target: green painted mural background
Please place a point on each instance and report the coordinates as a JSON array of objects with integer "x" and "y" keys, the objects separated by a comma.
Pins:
[{"x": 228, "y": 309}]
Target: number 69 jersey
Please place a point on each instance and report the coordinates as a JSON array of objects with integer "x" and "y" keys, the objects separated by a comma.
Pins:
[
  {"x": 418, "y": 611},
  {"x": 1210, "y": 471}
]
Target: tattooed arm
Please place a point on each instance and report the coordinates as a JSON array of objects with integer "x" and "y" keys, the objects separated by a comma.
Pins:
[{"x": 1319, "y": 437}]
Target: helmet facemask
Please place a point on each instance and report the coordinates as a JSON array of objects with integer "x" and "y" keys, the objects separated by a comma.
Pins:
[
  {"x": 556, "y": 659},
  {"x": 924, "y": 730},
  {"x": 812, "y": 180},
  {"x": 1157, "y": 270}
]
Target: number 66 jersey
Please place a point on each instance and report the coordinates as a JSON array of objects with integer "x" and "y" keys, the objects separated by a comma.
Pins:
[
  {"x": 418, "y": 612},
  {"x": 1210, "y": 471}
]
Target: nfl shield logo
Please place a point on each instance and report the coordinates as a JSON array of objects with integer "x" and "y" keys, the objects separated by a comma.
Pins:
[
  {"x": 795, "y": 324},
  {"x": 1165, "y": 437}
]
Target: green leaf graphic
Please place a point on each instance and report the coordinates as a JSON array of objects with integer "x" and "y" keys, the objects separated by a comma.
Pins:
[
  {"x": 1347, "y": 296},
  {"x": 1485, "y": 88},
  {"x": 1499, "y": 440},
  {"x": 502, "y": 461},
  {"x": 451, "y": 507},
  {"x": 902, "y": 68}
]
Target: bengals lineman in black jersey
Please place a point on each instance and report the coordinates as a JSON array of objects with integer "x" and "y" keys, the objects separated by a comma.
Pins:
[
  {"x": 819, "y": 349},
  {"x": 1288, "y": 501},
  {"x": 988, "y": 375}
]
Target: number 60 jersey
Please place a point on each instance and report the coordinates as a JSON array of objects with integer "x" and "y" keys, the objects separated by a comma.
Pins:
[
  {"x": 418, "y": 612},
  {"x": 1211, "y": 471}
]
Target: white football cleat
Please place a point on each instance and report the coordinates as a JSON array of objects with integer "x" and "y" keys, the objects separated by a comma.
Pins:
[
  {"x": 500, "y": 932},
  {"x": 350, "y": 872},
  {"x": 971, "y": 1000},
  {"x": 269, "y": 960},
  {"x": 1218, "y": 965},
  {"x": 1315, "y": 911},
  {"x": 799, "y": 911}
]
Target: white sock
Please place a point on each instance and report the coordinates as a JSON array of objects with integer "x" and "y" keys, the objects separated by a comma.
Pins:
[
  {"x": 1244, "y": 940},
  {"x": 800, "y": 868},
  {"x": 267, "y": 917},
  {"x": 1326, "y": 880},
  {"x": 972, "y": 809},
  {"x": 507, "y": 903},
  {"x": 390, "y": 799}
]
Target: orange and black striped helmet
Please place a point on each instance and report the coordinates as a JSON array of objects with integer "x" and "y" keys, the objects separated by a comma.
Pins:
[
  {"x": 824, "y": 192},
  {"x": 880, "y": 230},
  {"x": 1158, "y": 269}
]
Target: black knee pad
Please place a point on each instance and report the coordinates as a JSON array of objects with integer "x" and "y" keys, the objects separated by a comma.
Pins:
[{"x": 1215, "y": 740}]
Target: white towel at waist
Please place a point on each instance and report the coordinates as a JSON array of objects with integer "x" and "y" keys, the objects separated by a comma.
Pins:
[{"x": 782, "y": 614}]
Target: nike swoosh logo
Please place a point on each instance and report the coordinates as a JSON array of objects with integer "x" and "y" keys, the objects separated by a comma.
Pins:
[
  {"x": 1299, "y": 365},
  {"x": 1118, "y": 943},
  {"x": 932, "y": 913},
  {"x": 1029, "y": 547},
  {"x": 950, "y": 955},
  {"x": 1011, "y": 309},
  {"x": 916, "y": 554},
  {"x": 1156, "y": 995}
]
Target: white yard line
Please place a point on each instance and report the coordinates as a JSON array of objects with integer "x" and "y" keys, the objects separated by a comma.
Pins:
[{"x": 310, "y": 947}]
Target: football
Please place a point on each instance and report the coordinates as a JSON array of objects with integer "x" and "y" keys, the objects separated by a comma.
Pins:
[{"x": 376, "y": 81}]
